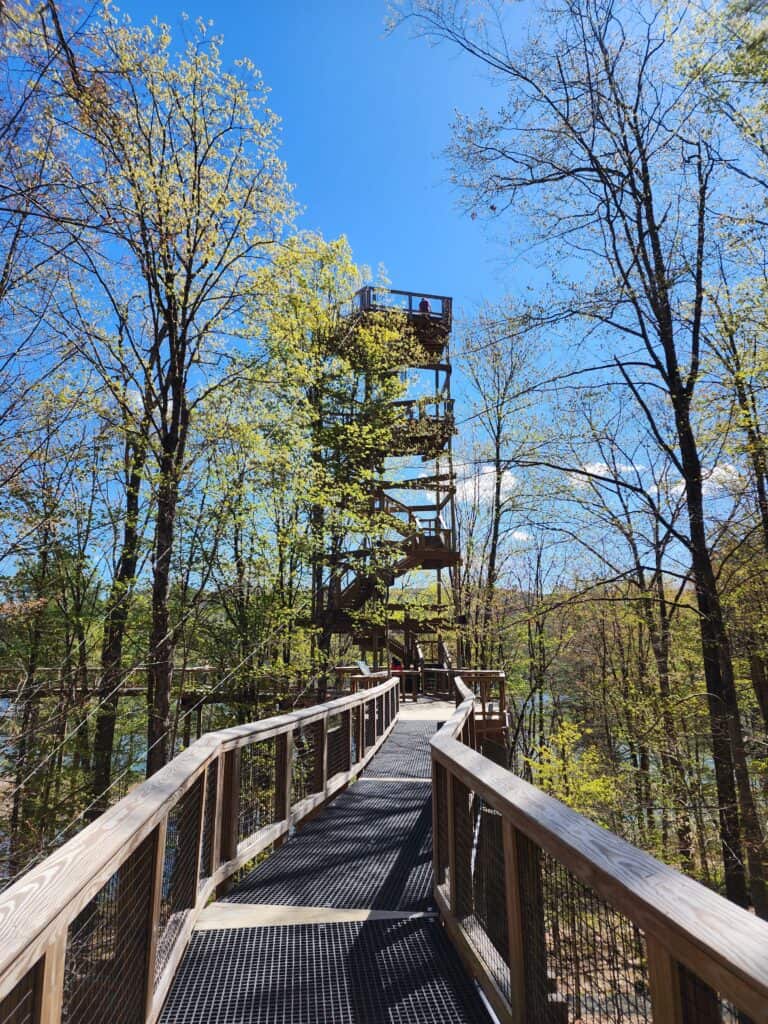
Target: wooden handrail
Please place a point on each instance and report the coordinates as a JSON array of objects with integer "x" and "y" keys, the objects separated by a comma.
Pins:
[
  {"x": 37, "y": 911},
  {"x": 682, "y": 922}
]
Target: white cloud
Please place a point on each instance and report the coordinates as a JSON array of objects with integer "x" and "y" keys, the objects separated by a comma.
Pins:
[
  {"x": 480, "y": 484},
  {"x": 521, "y": 535},
  {"x": 723, "y": 477},
  {"x": 602, "y": 469}
]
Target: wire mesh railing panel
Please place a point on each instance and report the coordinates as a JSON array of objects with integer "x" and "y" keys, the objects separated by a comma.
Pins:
[
  {"x": 180, "y": 868},
  {"x": 258, "y": 787},
  {"x": 209, "y": 821},
  {"x": 703, "y": 1005},
  {"x": 488, "y": 924},
  {"x": 355, "y": 740},
  {"x": 370, "y": 724},
  {"x": 338, "y": 744},
  {"x": 379, "y": 716},
  {"x": 18, "y": 1007},
  {"x": 441, "y": 838},
  {"x": 463, "y": 841},
  {"x": 108, "y": 946},
  {"x": 582, "y": 955},
  {"x": 307, "y": 761}
]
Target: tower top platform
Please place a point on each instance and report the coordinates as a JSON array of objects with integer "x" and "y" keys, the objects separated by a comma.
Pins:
[{"x": 421, "y": 307}]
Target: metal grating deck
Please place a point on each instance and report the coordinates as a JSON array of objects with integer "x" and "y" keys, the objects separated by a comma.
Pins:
[
  {"x": 406, "y": 752},
  {"x": 371, "y": 847},
  {"x": 378, "y": 972}
]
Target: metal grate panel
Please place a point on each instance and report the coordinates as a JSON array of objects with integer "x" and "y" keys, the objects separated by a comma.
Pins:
[
  {"x": 209, "y": 820},
  {"x": 405, "y": 754},
  {"x": 371, "y": 847},
  {"x": 338, "y": 744},
  {"x": 583, "y": 953},
  {"x": 107, "y": 946},
  {"x": 705, "y": 1006},
  {"x": 370, "y": 723},
  {"x": 307, "y": 776},
  {"x": 258, "y": 785},
  {"x": 18, "y": 1007},
  {"x": 179, "y": 870},
  {"x": 357, "y": 753},
  {"x": 377, "y": 972}
]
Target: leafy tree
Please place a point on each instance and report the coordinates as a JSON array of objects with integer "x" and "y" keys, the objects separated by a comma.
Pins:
[{"x": 173, "y": 163}]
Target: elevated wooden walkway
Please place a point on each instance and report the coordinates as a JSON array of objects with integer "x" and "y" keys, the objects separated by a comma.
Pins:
[
  {"x": 339, "y": 924},
  {"x": 435, "y": 867}
]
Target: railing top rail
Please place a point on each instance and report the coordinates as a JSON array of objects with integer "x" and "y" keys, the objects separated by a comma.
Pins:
[
  {"x": 472, "y": 673},
  {"x": 53, "y": 892},
  {"x": 724, "y": 945},
  {"x": 373, "y": 289}
]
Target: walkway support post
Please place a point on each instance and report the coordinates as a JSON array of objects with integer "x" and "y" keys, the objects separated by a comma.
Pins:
[{"x": 229, "y": 815}]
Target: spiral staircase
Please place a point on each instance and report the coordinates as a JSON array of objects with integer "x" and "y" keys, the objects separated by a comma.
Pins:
[{"x": 418, "y": 503}]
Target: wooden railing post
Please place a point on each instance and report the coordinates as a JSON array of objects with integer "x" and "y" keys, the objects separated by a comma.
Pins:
[
  {"x": 529, "y": 977},
  {"x": 515, "y": 923},
  {"x": 50, "y": 993},
  {"x": 230, "y": 813},
  {"x": 201, "y": 831},
  {"x": 664, "y": 979}
]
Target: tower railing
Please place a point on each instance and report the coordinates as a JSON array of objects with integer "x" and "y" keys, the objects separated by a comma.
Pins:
[
  {"x": 564, "y": 921},
  {"x": 96, "y": 931},
  {"x": 372, "y": 299}
]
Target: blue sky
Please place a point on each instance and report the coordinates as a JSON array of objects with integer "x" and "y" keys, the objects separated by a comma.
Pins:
[{"x": 366, "y": 118}]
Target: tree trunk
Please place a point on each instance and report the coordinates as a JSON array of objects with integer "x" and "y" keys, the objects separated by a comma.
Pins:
[
  {"x": 718, "y": 670},
  {"x": 160, "y": 669},
  {"x": 115, "y": 622}
]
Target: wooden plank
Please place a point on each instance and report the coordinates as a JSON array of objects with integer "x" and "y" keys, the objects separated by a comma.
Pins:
[
  {"x": 435, "y": 829},
  {"x": 218, "y": 816},
  {"x": 230, "y": 812},
  {"x": 696, "y": 925},
  {"x": 287, "y": 780},
  {"x": 51, "y": 982},
  {"x": 515, "y": 923},
  {"x": 664, "y": 979}
]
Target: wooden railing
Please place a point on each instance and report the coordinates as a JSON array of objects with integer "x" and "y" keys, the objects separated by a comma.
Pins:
[
  {"x": 490, "y": 688},
  {"x": 562, "y": 921},
  {"x": 94, "y": 934}
]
